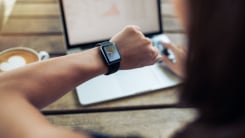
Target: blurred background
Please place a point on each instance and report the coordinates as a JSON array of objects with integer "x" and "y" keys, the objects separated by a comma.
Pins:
[
  {"x": 6, "y": 7},
  {"x": 37, "y": 24}
]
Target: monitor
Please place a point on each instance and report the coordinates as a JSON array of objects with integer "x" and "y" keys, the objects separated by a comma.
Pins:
[{"x": 87, "y": 22}]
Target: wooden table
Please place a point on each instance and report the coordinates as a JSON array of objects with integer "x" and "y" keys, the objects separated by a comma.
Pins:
[{"x": 37, "y": 24}]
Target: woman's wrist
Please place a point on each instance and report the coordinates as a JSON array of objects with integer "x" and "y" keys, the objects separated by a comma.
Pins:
[{"x": 99, "y": 63}]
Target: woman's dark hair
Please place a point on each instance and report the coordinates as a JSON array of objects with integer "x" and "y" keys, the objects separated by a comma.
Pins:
[{"x": 215, "y": 68}]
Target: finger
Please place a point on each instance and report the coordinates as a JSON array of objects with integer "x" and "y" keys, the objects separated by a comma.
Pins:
[
  {"x": 168, "y": 62},
  {"x": 140, "y": 34},
  {"x": 181, "y": 47},
  {"x": 157, "y": 56},
  {"x": 136, "y": 27},
  {"x": 170, "y": 46}
]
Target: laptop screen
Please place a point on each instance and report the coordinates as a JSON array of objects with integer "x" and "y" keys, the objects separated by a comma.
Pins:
[{"x": 88, "y": 22}]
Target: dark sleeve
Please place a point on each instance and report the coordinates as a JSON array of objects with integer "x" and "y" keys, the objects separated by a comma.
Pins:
[
  {"x": 92, "y": 134},
  {"x": 98, "y": 135}
]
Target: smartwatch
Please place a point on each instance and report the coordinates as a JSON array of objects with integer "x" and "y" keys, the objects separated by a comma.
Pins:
[{"x": 111, "y": 56}]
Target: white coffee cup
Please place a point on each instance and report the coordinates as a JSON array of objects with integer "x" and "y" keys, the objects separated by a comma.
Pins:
[{"x": 13, "y": 58}]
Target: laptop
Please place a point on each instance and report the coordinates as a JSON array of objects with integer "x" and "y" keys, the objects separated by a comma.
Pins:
[{"x": 88, "y": 22}]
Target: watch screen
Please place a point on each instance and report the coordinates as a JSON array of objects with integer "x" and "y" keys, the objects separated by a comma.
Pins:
[{"x": 112, "y": 53}]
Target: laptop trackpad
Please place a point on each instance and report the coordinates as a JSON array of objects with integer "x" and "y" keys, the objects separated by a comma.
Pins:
[
  {"x": 137, "y": 80},
  {"x": 124, "y": 83}
]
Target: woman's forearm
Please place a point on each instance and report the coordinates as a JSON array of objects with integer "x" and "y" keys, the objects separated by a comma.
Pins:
[{"x": 42, "y": 83}]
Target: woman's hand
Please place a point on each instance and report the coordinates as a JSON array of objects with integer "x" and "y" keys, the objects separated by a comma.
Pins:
[
  {"x": 180, "y": 56},
  {"x": 136, "y": 50}
]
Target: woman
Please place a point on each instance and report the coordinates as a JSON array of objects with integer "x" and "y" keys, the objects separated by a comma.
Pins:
[
  {"x": 214, "y": 70},
  {"x": 212, "y": 75}
]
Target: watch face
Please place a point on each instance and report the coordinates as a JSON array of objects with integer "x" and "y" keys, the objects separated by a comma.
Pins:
[{"x": 112, "y": 53}]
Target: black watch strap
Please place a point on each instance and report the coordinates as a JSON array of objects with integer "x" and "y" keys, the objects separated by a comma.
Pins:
[
  {"x": 114, "y": 65},
  {"x": 113, "y": 68}
]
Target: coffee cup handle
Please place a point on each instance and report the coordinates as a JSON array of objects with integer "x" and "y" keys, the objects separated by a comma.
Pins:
[{"x": 43, "y": 55}]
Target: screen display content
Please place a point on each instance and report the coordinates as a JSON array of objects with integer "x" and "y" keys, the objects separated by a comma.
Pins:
[{"x": 90, "y": 21}]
